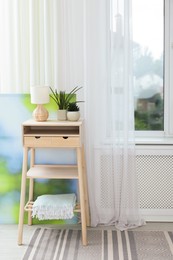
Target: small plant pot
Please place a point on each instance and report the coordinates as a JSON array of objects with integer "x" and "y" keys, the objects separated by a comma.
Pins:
[
  {"x": 62, "y": 115},
  {"x": 73, "y": 115}
]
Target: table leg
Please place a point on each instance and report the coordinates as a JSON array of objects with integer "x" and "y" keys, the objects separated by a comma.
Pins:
[
  {"x": 22, "y": 195},
  {"x": 85, "y": 188},
  {"x": 82, "y": 196},
  {"x": 31, "y": 185}
]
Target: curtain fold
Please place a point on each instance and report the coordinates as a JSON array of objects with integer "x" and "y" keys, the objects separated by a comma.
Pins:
[
  {"x": 26, "y": 44},
  {"x": 110, "y": 146},
  {"x": 38, "y": 46}
]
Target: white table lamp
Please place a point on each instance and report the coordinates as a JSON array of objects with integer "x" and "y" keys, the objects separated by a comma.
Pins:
[{"x": 40, "y": 96}]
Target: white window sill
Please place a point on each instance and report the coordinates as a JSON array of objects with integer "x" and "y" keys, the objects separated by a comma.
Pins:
[{"x": 146, "y": 140}]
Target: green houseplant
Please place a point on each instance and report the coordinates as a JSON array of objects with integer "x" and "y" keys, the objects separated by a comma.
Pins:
[
  {"x": 73, "y": 113},
  {"x": 63, "y": 100}
]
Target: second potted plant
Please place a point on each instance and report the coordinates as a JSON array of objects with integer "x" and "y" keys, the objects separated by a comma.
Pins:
[{"x": 73, "y": 113}]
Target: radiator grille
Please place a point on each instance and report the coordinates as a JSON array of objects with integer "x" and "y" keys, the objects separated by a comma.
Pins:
[
  {"x": 155, "y": 180},
  {"x": 107, "y": 182}
]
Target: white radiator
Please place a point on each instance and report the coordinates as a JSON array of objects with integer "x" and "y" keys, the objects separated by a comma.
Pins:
[{"x": 155, "y": 181}]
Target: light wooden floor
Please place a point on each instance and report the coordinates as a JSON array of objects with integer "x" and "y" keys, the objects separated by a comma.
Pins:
[{"x": 9, "y": 250}]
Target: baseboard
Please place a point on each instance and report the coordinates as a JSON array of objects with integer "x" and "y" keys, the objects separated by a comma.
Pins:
[{"x": 157, "y": 215}]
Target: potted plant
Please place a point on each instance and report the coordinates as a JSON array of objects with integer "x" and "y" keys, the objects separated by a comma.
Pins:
[
  {"x": 62, "y": 100},
  {"x": 73, "y": 113}
]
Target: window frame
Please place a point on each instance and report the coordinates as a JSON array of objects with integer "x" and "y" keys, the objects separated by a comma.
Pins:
[{"x": 168, "y": 112}]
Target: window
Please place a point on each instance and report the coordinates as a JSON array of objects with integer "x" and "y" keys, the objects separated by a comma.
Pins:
[{"x": 148, "y": 60}]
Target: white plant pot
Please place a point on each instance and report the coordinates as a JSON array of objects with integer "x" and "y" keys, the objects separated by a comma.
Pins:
[
  {"x": 73, "y": 115},
  {"x": 62, "y": 115}
]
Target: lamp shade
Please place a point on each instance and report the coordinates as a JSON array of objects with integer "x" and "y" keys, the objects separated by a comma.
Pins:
[{"x": 39, "y": 94}]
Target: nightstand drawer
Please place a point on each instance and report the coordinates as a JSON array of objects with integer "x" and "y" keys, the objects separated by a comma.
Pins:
[
  {"x": 37, "y": 141},
  {"x": 66, "y": 141},
  {"x": 46, "y": 141}
]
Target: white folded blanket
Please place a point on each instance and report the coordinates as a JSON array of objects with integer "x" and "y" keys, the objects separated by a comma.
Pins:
[{"x": 58, "y": 206}]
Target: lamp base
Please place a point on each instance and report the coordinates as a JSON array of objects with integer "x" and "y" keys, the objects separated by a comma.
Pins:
[{"x": 40, "y": 113}]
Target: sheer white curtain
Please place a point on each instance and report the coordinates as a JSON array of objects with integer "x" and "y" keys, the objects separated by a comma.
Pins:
[
  {"x": 65, "y": 43},
  {"x": 109, "y": 123},
  {"x": 38, "y": 46}
]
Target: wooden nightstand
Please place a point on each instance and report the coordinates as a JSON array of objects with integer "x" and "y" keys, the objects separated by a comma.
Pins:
[{"x": 53, "y": 134}]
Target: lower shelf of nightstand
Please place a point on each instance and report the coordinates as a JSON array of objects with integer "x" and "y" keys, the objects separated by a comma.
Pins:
[
  {"x": 53, "y": 172},
  {"x": 29, "y": 206}
]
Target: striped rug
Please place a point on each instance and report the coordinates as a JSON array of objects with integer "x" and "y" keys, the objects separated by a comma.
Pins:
[{"x": 51, "y": 244}]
